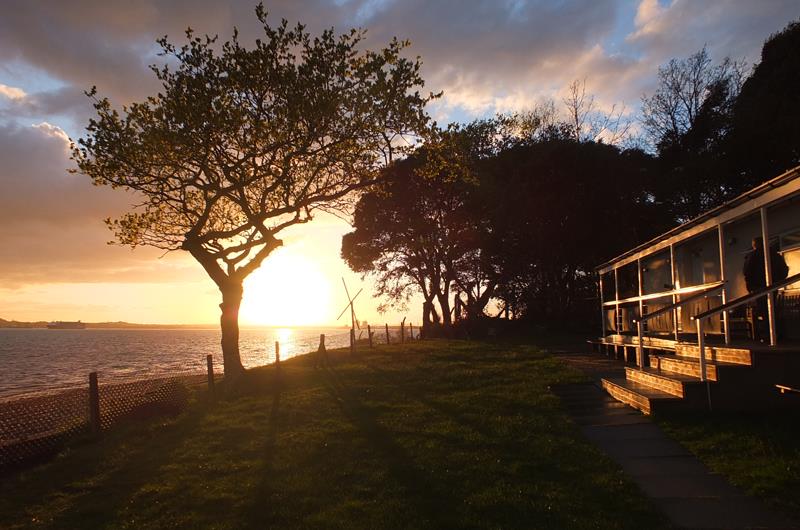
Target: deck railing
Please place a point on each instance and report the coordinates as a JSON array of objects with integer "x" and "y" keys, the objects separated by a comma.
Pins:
[
  {"x": 701, "y": 317},
  {"x": 672, "y": 307}
]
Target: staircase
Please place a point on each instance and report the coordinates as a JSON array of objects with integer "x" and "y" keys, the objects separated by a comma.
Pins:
[{"x": 672, "y": 380}]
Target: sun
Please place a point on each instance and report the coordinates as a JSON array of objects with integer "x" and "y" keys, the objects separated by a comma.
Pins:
[{"x": 287, "y": 290}]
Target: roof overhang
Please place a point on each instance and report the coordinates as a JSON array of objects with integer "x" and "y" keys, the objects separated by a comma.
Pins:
[{"x": 782, "y": 186}]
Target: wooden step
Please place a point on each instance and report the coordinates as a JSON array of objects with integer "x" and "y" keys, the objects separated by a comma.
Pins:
[
  {"x": 716, "y": 353},
  {"x": 673, "y": 383},
  {"x": 690, "y": 366},
  {"x": 638, "y": 395}
]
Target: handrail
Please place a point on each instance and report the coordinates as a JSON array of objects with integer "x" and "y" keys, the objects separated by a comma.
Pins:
[
  {"x": 700, "y": 317},
  {"x": 662, "y": 294},
  {"x": 672, "y": 307},
  {"x": 644, "y": 318},
  {"x": 748, "y": 297}
]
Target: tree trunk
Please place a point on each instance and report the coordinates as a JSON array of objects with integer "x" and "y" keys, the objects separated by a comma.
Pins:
[
  {"x": 427, "y": 321},
  {"x": 444, "y": 303},
  {"x": 229, "y": 324}
]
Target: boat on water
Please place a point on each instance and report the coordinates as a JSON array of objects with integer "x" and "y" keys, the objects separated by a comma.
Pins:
[{"x": 60, "y": 324}]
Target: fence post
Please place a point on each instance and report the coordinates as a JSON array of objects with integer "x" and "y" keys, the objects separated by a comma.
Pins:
[
  {"x": 277, "y": 354},
  {"x": 410, "y": 331},
  {"x": 321, "y": 353},
  {"x": 369, "y": 332},
  {"x": 352, "y": 341},
  {"x": 403, "y": 331},
  {"x": 210, "y": 367},
  {"x": 387, "y": 333},
  {"x": 94, "y": 404}
]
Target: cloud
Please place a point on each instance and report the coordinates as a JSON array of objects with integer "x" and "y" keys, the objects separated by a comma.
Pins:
[
  {"x": 487, "y": 56},
  {"x": 734, "y": 28},
  {"x": 51, "y": 225},
  {"x": 11, "y": 92},
  {"x": 67, "y": 101}
]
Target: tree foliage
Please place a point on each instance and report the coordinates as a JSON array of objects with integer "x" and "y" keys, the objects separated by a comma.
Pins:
[
  {"x": 484, "y": 213},
  {"x": 765, "y": 133},
  {"x": 241, "y": 143},
  {"x": 417, "y": 230},
  {"x": 559, "y": 208},
  {"x": 684, "y": 86},
  {"x": 532, "y": 203}
]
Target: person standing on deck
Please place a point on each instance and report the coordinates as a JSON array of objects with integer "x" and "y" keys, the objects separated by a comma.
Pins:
[{"x": 756, "y": 279}]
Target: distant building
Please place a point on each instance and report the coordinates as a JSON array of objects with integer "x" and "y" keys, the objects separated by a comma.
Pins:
[{"x": 59, "y": 324}]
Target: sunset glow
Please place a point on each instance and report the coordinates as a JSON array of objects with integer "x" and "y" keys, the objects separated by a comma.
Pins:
[{"x": 288, "y": 289}]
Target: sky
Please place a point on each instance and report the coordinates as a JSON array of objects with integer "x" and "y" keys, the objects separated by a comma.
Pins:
[{"x": 485, "y": 56}]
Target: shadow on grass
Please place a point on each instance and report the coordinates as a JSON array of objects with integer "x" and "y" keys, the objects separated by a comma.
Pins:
[
  {"x": 421, "y": 494},
  {"x": 103, "y": 472}
]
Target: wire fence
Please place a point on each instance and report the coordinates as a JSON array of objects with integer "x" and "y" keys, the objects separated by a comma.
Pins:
[{"x": 36, "y": 425}]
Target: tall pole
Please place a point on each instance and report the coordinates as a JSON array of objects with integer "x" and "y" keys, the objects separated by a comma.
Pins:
[
  {"x": 722, "y": 276},
  {"x": 674, "y": 274},
  {"x": 640, "y": 351},
  {"x": 602, "y": 306},
  {"x": 768, "y": 277}
]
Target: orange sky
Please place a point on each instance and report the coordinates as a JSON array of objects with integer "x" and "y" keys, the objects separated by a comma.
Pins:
[
  {"x": 299, "y": 284},
  {"x": 486, "y": 57}
]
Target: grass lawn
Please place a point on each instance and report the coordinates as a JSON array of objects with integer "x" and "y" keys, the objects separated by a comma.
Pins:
[
  {"x": 435, "y": 434},
  {"x": 759, "y": 452}
]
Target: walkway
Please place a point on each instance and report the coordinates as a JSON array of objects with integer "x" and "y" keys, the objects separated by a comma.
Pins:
[{"x": 679, "y": 484}]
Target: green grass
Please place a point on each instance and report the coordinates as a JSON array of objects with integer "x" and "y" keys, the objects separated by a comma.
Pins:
[
  {"x": 435, "y": 434},
  {"x": 759, "y": 452}
]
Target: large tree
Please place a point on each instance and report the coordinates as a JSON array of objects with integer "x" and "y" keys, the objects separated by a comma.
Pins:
[
  {"x": 557, "y": 208},
  {"x": 417, "y": 231},
  {"x": 765, "y": 135},
  {"x": 404, "y": 235},
  {"x": 687, "y": 119},
  {"x": 242, "y": 143}
]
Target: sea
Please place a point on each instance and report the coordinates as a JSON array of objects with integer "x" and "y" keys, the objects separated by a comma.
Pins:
[{"x": 43, "y": 360}]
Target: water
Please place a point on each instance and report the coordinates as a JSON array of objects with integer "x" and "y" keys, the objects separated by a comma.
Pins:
[{"x": 35, "y": 360}]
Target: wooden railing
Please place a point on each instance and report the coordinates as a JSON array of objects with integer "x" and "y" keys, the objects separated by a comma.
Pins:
[
  {"x": 701, "y": 317},
  {"x": 672, "y": 307}
]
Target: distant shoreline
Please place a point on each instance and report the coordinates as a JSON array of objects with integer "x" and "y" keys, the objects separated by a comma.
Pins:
[{"x": 15, "y": 324}]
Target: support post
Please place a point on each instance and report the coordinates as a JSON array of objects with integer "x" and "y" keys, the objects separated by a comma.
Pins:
[
  {"x": 277, "y": 354},
  {"x": 617, "y": 316},
  {"x": 602, "y": 306},
  {"x": 369, "y": 332},
  {"x": 701, "y": 343},
  {"x": 725, "y": 326},
  {"x": 387, "y": 333},
  {"x": 210, "y": 369},
  {"x": 94, "y": 404},
  {"x": 674, "y": 274},
  {"x": 322, "y": 354},
  {"x": 639, "y": 323},
  {"x": 640, "y": 347},
  {"x": 768, "y": 275}
]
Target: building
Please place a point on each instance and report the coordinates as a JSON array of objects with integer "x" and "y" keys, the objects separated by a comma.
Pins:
[{"x": 684, "y": 292}]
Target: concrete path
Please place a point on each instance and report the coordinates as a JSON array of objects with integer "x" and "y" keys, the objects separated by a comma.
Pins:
[{"x": 679, "y": 484}]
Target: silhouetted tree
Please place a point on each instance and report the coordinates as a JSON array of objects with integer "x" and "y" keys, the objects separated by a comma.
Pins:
[
  {"x": 687, "y": 119},
  {"x": 420, "y": 230},
  {"x": 684, "y": 85},
  {"x": 765, "y": 135},
  {"x": 557, "y": 209},
  {"x": 407, "y": 233},
  {"x": 590, "y": 124},
  {"x": 243, "y": 143}
]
